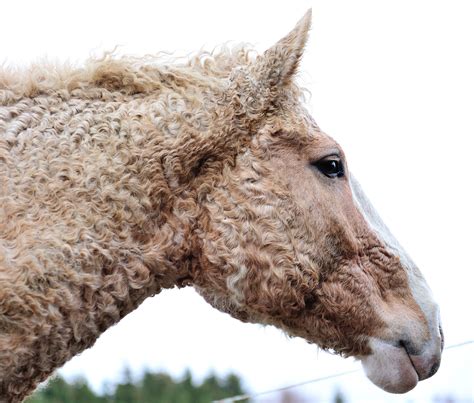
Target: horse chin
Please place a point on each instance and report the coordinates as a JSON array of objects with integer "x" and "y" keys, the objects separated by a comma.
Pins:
[{"x": 390, "y": 368}]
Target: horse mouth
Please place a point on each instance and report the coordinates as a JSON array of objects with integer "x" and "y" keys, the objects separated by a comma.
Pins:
[
  {"x": 403, "y": 345},
  {"x": 392, "y": 370},
  {"x": 396, "y": 369}
]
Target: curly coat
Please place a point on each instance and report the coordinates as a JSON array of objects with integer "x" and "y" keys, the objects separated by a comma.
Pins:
[{"x": 129, "y": 176}]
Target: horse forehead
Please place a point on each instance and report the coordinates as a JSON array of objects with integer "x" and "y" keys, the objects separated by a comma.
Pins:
[{"x": 322, "y": 141}]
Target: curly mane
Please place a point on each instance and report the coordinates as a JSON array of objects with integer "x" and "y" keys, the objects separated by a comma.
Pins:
[{"x": 126, "y": 74}]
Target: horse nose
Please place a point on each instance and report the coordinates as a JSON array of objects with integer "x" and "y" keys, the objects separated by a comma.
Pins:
[
  {"x": 434, "y": 368},
  {"x": 427, "y": 360},
  {"x": 426, "y": 365}
]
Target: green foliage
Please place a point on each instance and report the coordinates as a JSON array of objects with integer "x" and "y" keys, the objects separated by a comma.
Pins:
[
  {"x": 59, "y": 391},
  {"x": 152, "y": 388}
]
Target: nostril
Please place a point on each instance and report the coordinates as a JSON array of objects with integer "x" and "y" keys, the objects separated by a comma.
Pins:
[
  {"x": 442, "y": 337},
  {"x": 434, "y": 368}
]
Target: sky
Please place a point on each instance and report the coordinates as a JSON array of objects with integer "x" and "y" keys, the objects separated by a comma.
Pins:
[{"x": 391, "y": 81}]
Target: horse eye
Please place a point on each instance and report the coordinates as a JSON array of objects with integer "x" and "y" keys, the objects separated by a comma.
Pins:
[{"x": 331, "y": 166}]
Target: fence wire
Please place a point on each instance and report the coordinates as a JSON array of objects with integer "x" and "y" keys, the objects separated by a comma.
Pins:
[{"x": 239, "y": 398}]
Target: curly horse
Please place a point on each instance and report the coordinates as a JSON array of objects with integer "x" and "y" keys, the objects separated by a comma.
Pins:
[{"x": 131, "y": 175}]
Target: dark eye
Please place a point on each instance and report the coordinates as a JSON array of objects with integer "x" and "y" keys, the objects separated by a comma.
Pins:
[{"x": 331, "y": 166}]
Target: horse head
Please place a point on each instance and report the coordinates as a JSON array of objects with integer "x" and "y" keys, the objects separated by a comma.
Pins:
[{"x": 288, "y": 238}]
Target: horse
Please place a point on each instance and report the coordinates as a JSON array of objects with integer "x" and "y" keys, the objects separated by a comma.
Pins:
[{"x": 130, "y": 175}]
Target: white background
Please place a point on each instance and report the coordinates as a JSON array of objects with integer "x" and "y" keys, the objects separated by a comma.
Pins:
[{"x": 392, "y": 81}]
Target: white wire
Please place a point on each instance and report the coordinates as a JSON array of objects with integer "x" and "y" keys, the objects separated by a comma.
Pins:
[{"x": 323, "y": 378}]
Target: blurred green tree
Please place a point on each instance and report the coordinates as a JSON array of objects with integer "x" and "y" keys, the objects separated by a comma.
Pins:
[{"x": 151, "y": 388}]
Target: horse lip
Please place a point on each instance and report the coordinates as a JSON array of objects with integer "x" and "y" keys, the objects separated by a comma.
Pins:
[
  {"x": 402, "y": 344},
  {"x": 390, "y": 367}
]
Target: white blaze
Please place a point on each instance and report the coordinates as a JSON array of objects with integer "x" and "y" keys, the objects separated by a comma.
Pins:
[{"x": 418, "y": 286}]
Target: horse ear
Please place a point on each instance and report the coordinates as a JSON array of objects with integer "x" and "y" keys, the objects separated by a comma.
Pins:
[{"x": 278, "y": 64}]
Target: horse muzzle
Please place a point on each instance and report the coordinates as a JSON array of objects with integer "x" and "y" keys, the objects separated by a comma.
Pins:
[{"x": 398, "y": 367}]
